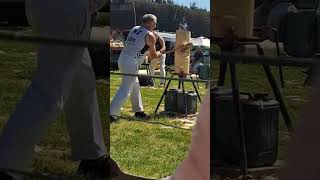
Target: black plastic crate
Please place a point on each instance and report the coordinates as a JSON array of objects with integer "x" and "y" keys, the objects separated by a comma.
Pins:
[
  {"x": 191, "y": 98},
  {"x": 261, "y": 117},
  {"x": 170, "y": 100}
]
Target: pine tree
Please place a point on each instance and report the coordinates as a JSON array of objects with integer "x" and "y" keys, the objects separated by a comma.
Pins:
[
  {"x": 170, "y": 2},
  {"x": 193, "y": 6}
]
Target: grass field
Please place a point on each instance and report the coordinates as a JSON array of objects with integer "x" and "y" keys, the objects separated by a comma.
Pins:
[
  {"x": 141, "y": 149},
  {"x": 149, "y": 150},
  {"x": 52, "y": 154}
]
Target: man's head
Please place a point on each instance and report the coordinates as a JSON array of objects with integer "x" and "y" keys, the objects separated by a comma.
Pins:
[{"x": 150, "y": 21}]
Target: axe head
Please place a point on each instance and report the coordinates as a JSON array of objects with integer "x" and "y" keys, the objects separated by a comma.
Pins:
[{"x": 186, "y": 47}]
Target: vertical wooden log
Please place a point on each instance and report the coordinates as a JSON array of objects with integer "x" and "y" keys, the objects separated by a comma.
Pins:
[
  {"x": 182, "y": 58},
  {"x": 232, "y": 13}
]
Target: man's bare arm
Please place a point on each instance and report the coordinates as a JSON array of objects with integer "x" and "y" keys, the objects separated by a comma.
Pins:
[
  {"x": 151, "y": 42},
  {"x": 163, "y": 44}
]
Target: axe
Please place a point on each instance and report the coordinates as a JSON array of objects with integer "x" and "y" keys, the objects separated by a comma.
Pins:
[{"x": 181, "y": 48}]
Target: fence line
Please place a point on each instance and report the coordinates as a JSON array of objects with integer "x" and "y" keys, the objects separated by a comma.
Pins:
[
  {"x": 159, "y": 77},
  {"x": 21, "y": 37},
  {"x": 265, "y": 60}
]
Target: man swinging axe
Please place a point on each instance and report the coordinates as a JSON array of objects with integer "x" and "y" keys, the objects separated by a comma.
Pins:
[{"x": 141, "y": 41}]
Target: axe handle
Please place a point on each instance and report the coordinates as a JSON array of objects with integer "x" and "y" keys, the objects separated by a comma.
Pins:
[
  {"x": 178, "y": 48},
  {"x": 170, "y": 51}
]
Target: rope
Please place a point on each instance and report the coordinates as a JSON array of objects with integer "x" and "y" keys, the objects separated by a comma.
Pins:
[
  {"x": 265, "y": 60},
  {"x": 14, "y": 36},
  {"x": 159, "y": 77},
  {"x": 150, "y": 122}
]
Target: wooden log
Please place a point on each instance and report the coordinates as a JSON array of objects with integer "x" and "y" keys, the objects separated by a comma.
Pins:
[
  {"x": 228, "y": 14},
  {"x": 182, "y": 58}
]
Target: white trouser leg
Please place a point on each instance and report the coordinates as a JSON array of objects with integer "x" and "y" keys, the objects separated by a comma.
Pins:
[
  {"x": 51, "y": 81},
  {"x": 153, "y": 65},
  {"x": 126, "y": 65},
  {"x": 82, "y": 114},
  {"x": 136, "y": 99},
  {"x": 163, "y": 67}
]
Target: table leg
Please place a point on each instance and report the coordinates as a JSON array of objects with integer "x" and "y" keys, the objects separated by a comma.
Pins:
[
  {"x": 281, "y": 76},
  {"x": 222, "y": 73},
  {"x": 196, "y": 89},
  {"x": 279, "y": 98},
  {"x": 276, "y": 92},
  {"x": 184, "y": 99},
  {"x": 236, "y": 100}
]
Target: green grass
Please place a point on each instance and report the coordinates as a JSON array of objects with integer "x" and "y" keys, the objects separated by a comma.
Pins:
[
  {"x": 253, "y": 79},
  {"x": 141, "y": 149},
  {"x": 149, "y": 150}
]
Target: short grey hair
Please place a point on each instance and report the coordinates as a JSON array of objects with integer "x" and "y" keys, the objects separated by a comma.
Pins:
[{"x": 149, "y": 17}]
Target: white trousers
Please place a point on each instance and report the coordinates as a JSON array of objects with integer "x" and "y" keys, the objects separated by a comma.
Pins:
[
  {"x": 154, "y": 63},
  {"x": 129, "y": 86},
  {"x": 65, "y": 79}
]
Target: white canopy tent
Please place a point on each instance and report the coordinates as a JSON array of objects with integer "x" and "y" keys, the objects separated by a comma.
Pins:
[{"x": 199, "y": 41}]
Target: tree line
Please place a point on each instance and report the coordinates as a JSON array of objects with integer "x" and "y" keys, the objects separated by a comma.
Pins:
[{"x": 169, "y": 14}]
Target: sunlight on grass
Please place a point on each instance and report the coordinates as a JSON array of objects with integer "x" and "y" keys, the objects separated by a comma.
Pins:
[
  {"x": 149, "y": 150},
  {"x": 141, "y": 149}
]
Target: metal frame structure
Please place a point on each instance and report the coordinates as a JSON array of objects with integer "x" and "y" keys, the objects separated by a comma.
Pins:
[
  {"x": 232, "y": 59},
  {"x": 227, "y": 58}
]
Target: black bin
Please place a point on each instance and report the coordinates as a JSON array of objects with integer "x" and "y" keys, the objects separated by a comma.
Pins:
[
  {"x": 191, "y": 98},
  {"x": 170, "y": 101},
  {"x": 214, "y": 94},
  {"x": 261, "y": 117}
]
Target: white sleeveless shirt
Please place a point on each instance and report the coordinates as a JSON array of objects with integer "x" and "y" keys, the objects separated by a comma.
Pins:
[{"x": 135, "y": 45}]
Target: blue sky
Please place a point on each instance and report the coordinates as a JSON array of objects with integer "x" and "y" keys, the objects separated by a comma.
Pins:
[{"x": 200, "y": 3}]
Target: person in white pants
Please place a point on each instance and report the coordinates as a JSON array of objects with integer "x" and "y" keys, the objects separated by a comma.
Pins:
[
  {"x": 64, "y": 78},
  {"x": 141, "y": 41},
  {"x": 162, "y": 60}
]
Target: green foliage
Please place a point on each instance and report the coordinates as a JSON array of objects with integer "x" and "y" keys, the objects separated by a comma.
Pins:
[{"x": 169, "y": 16}]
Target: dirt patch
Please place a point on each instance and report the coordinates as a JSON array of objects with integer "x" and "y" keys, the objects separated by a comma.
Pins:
[{"x": 180, "y": 119}]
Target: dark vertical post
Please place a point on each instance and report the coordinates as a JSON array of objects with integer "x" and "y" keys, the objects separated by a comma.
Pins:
[{"x": 236, "y": 101}]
